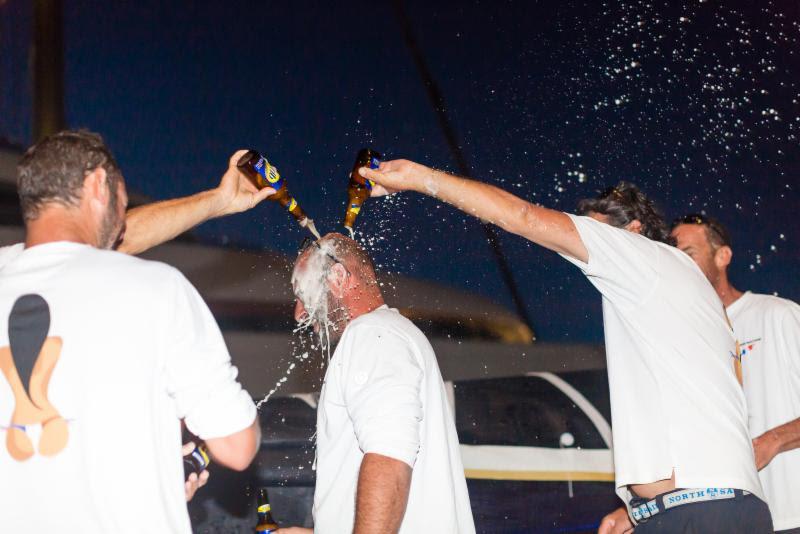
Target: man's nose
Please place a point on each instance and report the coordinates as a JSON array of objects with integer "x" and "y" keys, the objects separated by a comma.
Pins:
[{"x": 299, "y": 311}]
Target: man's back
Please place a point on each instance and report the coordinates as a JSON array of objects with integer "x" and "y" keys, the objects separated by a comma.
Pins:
[
  {"x": 383, "y": 393},
  {"x": 676, "y": 405},
  {"x": 109, "y": 352}
]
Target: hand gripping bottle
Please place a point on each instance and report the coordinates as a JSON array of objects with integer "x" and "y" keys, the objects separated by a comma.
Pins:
[
  {"x": 358, "y": 187},
  {"x": 263, "y": 174}
]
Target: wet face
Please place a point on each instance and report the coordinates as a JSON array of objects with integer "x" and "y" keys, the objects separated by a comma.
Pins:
[
  {"x": 316, "y": 305},
  {"x": 112, "y": 226},
  {"x": 693, "y": 240}
]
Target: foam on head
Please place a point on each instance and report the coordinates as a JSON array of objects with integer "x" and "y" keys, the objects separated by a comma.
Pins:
[{"x": 311, "y": 281}]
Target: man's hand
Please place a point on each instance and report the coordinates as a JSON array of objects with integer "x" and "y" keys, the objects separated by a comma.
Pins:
[
  {"x": 398, "y": 175},
  {"x": 193, "y": 483},
  {"x": 766, "y": 447},
  {"x": 617, "y": 522},
  {"x": 295, "y": 530},
  {"x": 236, "y": 193}
]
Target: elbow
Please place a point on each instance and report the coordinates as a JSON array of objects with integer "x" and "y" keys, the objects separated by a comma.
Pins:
[
  {"x": 237, "y": 451},
  {"x": 242, "y": 463}
]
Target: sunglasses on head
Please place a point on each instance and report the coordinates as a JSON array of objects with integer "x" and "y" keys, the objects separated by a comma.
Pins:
[
  {"x": 711, "y": 224},
  {"x": 309, "y": 242}
]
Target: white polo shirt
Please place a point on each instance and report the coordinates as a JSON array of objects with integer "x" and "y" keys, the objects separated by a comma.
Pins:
[
  {"x": 676, "y": 405},
  {"x": 768, "y": 329},
  {"x": 123, "y": 349},
  {"x": 10, "y": 252},
  {"x": 383, "y": 394}
]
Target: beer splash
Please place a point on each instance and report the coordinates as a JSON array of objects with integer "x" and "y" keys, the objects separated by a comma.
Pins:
[
  {"x": 311, "y": 286},
  {"x": 309, "y": 225},
  {"x": 282, "y": 380}
]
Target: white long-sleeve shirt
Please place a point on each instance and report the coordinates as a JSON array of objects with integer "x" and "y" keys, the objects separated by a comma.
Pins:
[{"x": 383, "y": 393}]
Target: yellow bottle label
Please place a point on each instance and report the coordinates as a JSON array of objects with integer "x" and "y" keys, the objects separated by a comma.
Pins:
[
  {"x": 263, "y": 509},
  {"x": 204, "y": 454},
  {"x": 292, "y": 205},
  {"x": 273, "y": 176},
  {"x": 355, "y": 209}
]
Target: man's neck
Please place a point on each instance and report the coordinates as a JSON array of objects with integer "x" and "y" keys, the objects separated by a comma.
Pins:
[
  {"x": 727, "y": 293},
  {"x": 57, "y": 224},
  {"x": 363, "y": 306}
]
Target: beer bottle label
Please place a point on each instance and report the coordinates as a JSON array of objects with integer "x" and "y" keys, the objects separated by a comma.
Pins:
[
  {"x": 269, "y": 173},
  {"x": 374, "y": 163},
  {"x": 264, "y": 508},
  {"x": 355, "y": 208},
  {"x": 292, "y": 204},
  {"x": 200, "y": 458}
]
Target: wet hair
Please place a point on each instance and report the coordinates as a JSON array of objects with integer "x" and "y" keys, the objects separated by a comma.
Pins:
[
  {"x": 350, "y": 254},
  {"x": 54, "y": 169},
  {"x": 716, "y": 234},
  {"x": 625, "y": 203}
]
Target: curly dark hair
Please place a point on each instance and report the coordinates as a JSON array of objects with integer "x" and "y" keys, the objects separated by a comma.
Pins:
[
  {"x": 54, "y": 169},
  {"x": 625, "y": 203}
]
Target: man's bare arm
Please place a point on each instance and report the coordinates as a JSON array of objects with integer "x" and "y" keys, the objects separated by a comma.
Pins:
[
  {"x": 153, "y": 224},
  {"x": 237, "y": 450},
  {"x": 382, "y": 494},
  {"x": 773, "y": 442},
  {"x": 549, "y": 228}
]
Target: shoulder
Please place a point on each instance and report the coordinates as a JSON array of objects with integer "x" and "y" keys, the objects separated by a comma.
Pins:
[
  {"x": 772, "y": 305},
  {"x": 10, "y": 252},
  {"x": 599, "y": 233},
  {"x": 131, "y": 269},
  {"x": 384, "y": 322}
]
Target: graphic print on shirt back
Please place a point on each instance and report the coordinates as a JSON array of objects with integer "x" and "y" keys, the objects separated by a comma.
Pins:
[{"x": 27, "y": 364}]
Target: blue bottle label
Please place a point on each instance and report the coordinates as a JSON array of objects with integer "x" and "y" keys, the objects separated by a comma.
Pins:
[{"x": 374, "y": 163}]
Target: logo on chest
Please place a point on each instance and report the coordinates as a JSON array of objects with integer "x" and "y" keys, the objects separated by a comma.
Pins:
[{"x": 747, "y": 347}]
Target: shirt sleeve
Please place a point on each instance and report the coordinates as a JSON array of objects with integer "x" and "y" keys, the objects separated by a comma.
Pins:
[
  {"x": 790, "y": 332},
  {"x": 381, "y": 389},
  {"x": 622, "y": 265},
  {"x": 199, "y": 374}
]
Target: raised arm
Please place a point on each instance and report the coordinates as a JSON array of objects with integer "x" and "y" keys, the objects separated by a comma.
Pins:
[
  {"x": 549, "y": 228},
  {"x": 153, "y": 224},
  {"x": 382, "y": 494}
]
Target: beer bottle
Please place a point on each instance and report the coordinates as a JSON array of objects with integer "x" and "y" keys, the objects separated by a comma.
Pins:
[
  {"x": 358, "y": 187},
  {"x": 196, "y": 461},
  {"x": 266, "y": 524},
  {"x": 263, "y": 174}
]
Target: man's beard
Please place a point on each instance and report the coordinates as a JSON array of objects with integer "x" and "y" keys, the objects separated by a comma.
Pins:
[
  {"x": 328, "y": 320},
  {"x": 111, "y": 230}
]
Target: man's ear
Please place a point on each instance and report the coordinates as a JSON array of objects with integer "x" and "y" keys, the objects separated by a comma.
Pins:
[
  {"x": 634, "y": 226},
  {"x": 96, "y": 187},
  {"x": 723, "y": 257},
  {"x": 337, "y": 279}
]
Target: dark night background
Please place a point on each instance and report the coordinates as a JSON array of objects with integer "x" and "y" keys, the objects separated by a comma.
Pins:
[{"x": 696, "y": 101}]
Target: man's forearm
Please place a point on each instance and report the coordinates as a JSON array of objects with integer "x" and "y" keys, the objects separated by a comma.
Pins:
[
  {"x": 549, "y": 228},
  {"x": 788, "y": 435},
  {"x": 382, "y": 495},
  {"x": 153, "y": 224}
]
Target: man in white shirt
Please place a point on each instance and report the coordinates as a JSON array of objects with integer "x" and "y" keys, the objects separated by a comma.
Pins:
[
  {"x": 681, "y": 450},
  {"x": 388, "y": 458},
  {"x": 150, "y": 225},
  {"x": 768, "y": 330},
  {"x": 101, "y": 355}
]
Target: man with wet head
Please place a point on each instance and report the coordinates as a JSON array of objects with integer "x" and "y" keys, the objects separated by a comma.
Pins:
[
  {"x": 768, "y": 330},
  {"x": 679, "y": 418},
  {"x": 388, "y": 457}
]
